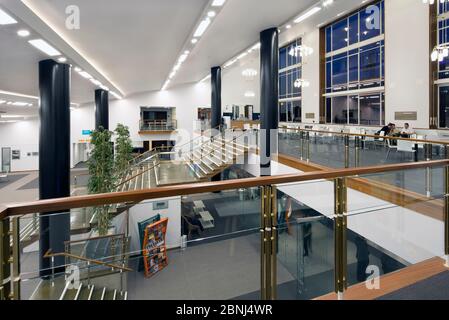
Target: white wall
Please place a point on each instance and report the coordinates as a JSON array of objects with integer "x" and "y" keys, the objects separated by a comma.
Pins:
[
  {"x": 407, "y": 60},
  {"x": 186, "y": 99},
  {"x": 22, "y": 136},
  {"x": 234, "y": 85}
]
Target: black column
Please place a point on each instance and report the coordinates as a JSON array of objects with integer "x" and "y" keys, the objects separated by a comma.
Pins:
[
  {"x": 216, "y": 97},
  {"x": 101, "y": 109},
  {"x": 269, "y": 79},
  {"x": 54, "y": 157}
]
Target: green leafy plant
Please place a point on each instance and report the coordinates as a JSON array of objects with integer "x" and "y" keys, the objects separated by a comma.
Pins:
[
  {"x": 123, "y": 150},
  {"x": 101, "y": 170}
]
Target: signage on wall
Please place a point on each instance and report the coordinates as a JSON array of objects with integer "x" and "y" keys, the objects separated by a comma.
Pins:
[{"x": 87, "y": 132}]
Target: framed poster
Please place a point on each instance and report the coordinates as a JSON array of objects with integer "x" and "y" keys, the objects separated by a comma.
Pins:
[{"x": 16, "y": 154}]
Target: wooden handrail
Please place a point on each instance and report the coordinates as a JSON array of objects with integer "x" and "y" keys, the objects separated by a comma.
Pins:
[
  {"x": 366, "y": 135},
  {"x": 65, "y": 204},
  {"x": 48, "y": 254}
]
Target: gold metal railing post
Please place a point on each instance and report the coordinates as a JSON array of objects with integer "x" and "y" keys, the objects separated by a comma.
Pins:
[
  {"x": 428, "y": 157},
  {"x": 15, "y": 265},
  {"x": 268, "y": 243},
  {"x": 357, "y": 152},
  {"x": 308, "y": 146},
  {"x": 340, "y": 244},
  {"x": 5, "y": 256},
  {"x": 346, "y": 139},
  {"x": 446, "y": 209},
  {"x": 301, "y": 143}
]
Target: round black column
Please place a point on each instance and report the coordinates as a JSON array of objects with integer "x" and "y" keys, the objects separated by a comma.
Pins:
[
  {"x": 269, "y": 80},
  {"x": 216, "y": 97},
  {"x": 101, "y": 109},
  {"x": 54, "y": 157}
]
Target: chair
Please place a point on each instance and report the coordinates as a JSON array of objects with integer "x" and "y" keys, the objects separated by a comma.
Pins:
[
  {"x": 406, "y": 146},
  {"x": 390, "y": 147},
  {"x": 190, "y": 227}
]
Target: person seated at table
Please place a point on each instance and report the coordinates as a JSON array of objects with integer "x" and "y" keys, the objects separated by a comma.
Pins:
[
  {"x": 388, "y": 129},
  {"x": 407, "y": 131}
]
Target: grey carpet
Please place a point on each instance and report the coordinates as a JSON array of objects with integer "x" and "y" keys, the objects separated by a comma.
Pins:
[
  {"x": 433, "y": 288},
  {"x": 81, "y": 180},
  {"x": 11, "y": 179}
]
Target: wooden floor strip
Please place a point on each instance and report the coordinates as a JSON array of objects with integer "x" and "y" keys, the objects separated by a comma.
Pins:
[{"x": 393, "y": 281}]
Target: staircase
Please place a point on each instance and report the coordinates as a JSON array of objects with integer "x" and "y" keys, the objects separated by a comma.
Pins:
[
  {"x": 197, "y": 161},
  {"x": 85, "y": 292}
]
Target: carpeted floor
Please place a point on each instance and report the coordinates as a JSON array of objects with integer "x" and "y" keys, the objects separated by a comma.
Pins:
[{"x": 433, "y": 288}]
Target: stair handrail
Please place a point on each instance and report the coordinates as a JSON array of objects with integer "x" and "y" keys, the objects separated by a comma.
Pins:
[
  {"x": 49, "y": 254},
  {"x": 136, "y": 175},
  {"x": 133, "y": 161}
]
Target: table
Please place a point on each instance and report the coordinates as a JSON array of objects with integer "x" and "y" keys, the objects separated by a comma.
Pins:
[
  {"x": 207, "y": 221},
  {"x": 199, "y": 204}
]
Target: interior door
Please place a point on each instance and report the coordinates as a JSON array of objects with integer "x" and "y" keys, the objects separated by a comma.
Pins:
[{"x": 6, "y": 159}]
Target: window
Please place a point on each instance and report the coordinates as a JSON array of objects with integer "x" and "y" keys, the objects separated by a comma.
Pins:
[
  {"x": 289, "y": 72},
  {"x": 355, "y": 60},
  {"x": 443, "y": 66},
  {"x": 360, "y": 109},
  {"x": 444, "y": 107}
]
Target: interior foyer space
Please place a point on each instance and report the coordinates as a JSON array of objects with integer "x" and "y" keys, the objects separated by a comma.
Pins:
[{"x": 224, "y": 150}]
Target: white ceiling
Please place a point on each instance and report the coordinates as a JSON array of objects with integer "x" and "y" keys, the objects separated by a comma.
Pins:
[{"x": 132, "y": 45}]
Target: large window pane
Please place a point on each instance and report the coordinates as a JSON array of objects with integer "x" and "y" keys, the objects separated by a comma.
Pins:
[
  {"x": 340, "y": 71},
  {"x": 370, "y": 64},
  {"x": 370, "y": 23},
  {"x": 283, "y": 85},
  {"x": 283, "y": 58},
  {"x": 339, "y": 34},
  {"x": 328, "y": 110},
  {"x": 353, "y": 29},
  {"x": 370, "y": 110},
  {"x": 340, "y": 110},
  {"x": 283, "y": 112},
  {"x": 354, "y": 68},
  {"x": 329, "y": 39},
  {"x": 297, "y": 113},
  {"x": 444, "y": 107},
  {"x": 353, "y": 109}
]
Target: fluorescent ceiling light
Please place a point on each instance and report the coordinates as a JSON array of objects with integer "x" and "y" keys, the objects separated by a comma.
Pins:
[
  {"x": 78, "y": 69},
  {"x": 308, "y": 14},
  {"x": 116, "y": 95},
  {"x": 95, "y": 82},
  {"x": 23, "y": 33},
  {"x": 2, "y": 101},
  {"x": 218, "y": 3},
  {"x": 10, "y": 116},
  {"x": 104, "y": 87},
  {"x": 85, "y": 75},
  {"x": 44, "y": 47},
  {"x": 62, "y": 59},
  {"x": 202, "y": 28},
  {"x": 194, "y": 41},
  {"x": 6, "y": 18},
  {"x": 211, "y": 14},
  {"x": 20, "y": 104},
  {"x": 205, "y": 78}
]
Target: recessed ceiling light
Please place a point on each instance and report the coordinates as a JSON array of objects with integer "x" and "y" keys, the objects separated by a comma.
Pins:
[
  {"x": 20, "y": 104},
  {"x": 104, "y": 87},
  {"x": 194, "y": 40},
  {"x": 78, "y": 69},
  {"x": 9, "y": 103},
  {"x": 23, "y": 33},
  {"x": 202, "y": 28},
  {"x": 85, "y": 75},
  {"x": 6, "y": 18},
  {"x": 308, "y": 14},
  {"x": 211, "y": 14},
  {"x": 95, "y": 82},
  {"x": 218, "y": 3},
  {"x": 43, "y": 46},
  {"x": 62, "y": 59},
  {"x": 2, "y": 101},
  {"x": 288, "y": 26}
]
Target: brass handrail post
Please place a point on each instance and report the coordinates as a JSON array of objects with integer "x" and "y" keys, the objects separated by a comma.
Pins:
[
  {"x": 308, "y": 146},
  {"x": 268, "y": 243},
  {"x": 357, "y": 152},
  {"x": 446, "y": 209},
  {"x": 5, "y": 255},
  {"x": 301, "y": 143},
  {"x": 346, "y": 140},
  {"x": 340, "y": 229},
  {"x": 15, "y": 264},
  {"x": 428, "y": 157}
]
